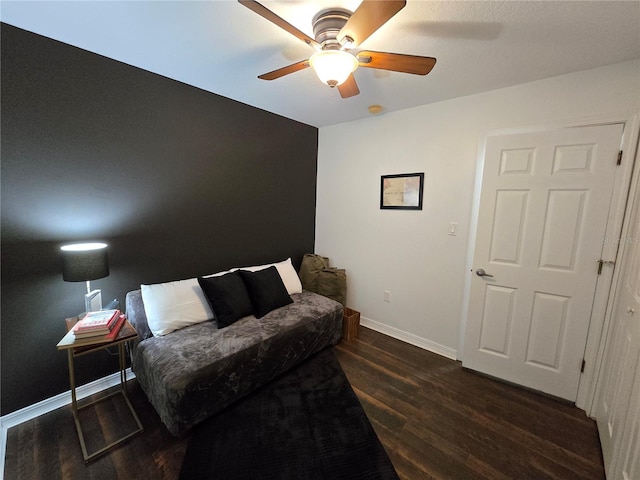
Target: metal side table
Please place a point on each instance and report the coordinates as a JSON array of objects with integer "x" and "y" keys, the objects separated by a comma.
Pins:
[{"x": 126, "y": 334}]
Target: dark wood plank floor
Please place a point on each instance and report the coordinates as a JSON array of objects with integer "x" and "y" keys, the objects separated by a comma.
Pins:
[{"x": 436, "y": 420}]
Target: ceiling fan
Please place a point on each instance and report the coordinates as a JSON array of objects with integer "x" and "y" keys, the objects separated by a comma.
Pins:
[{"x": 337, "y": 31}]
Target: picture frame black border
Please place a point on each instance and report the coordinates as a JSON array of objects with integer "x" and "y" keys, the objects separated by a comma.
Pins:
[{"x": 402, "y": 207}]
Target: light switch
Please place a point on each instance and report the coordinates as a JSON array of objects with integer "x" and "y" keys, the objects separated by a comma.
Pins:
[{"x": 453, "y": 228}]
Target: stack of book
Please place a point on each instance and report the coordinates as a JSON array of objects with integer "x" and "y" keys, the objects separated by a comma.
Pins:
[{"x": 98, "y": 327}]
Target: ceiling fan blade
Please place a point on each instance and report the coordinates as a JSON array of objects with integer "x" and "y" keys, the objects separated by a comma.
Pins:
[
  {"x": 368, "y": 17},
  {"x": 396, "y": 62},
  {"x": 349, "y": 88},
  {"x": 273, "y": 18},
  {"x": 281, "y": 72}
]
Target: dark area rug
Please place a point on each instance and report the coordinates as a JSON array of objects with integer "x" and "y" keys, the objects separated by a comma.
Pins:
[{"x": 306, "y": 425}]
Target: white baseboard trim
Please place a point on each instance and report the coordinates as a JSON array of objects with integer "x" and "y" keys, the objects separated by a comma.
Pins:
[
  {"x": 50, "y": 404},
  {"x": 409, "y": 338}
]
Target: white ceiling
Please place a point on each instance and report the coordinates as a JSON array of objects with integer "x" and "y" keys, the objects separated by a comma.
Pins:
[{"x": 221, "y": 46}]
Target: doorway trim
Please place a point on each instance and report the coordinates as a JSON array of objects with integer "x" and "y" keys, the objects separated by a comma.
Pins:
[{"x": 616, "y": 226}]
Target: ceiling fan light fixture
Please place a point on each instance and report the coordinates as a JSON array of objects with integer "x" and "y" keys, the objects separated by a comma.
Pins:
[{"x": 333, "y": 67}]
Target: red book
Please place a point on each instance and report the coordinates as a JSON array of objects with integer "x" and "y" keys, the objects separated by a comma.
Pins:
[
  {"x": 100, "y": 322},
  {"x": 110, "y": 337}
]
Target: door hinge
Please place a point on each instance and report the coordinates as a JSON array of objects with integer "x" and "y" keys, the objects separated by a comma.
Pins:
[
  {"x": 582, "y": 366},
  {"x": 619, "y": 157},
  {"x": 602, "y": 262}
]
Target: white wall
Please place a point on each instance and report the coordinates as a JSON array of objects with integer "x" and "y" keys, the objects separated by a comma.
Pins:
[{"x": 410, "y": 252}]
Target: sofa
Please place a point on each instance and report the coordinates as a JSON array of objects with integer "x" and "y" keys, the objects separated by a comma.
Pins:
[{"x": 192, "y": 369}]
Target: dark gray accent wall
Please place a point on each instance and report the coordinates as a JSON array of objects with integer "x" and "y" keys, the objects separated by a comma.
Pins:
[{"x": 178, "y": 181}]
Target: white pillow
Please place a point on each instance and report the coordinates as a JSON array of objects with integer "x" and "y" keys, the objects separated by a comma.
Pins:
[
  {"x": 174, "y": 305},
  {"x": 219, "y": 274},
  {"x": 287, "y": 273}
]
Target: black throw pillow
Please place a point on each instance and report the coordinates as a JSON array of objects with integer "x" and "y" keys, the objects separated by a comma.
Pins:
[
  {"x": 227, "y": 296},
  {"x": 266, "y": 290}
]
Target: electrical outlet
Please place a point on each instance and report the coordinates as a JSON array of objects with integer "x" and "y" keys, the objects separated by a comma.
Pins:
[{"x": 387, "y": 296}]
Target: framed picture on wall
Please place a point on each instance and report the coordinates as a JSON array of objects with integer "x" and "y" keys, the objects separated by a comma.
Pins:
[{"x": 402, "y": 191}]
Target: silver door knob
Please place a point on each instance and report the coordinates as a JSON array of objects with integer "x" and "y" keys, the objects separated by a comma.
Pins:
[{"x": 481, "y": 273}]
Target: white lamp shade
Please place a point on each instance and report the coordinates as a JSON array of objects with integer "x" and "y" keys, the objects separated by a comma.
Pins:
[{"x": 333, "y": 67}]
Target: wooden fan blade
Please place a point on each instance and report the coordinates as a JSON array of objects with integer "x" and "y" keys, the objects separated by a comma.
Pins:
[
  {"x": 281, "y": 72},
  {"x": 396, "y": 62},
  {"x": 349, "y": 88},
  {"x": 273, "y": 18},
  {"x": 368, "y": 17}
]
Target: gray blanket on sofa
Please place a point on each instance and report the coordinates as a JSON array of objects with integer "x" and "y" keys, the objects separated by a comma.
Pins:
[{"x": 193, "y": 373}]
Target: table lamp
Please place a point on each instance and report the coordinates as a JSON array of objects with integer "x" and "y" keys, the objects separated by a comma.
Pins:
[{"x": 83, "y": 262}]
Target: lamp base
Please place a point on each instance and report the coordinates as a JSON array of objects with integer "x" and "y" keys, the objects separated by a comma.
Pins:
[{"x": 93, "y": 301}]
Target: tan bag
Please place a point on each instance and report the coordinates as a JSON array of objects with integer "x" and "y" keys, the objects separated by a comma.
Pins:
[
  {"x": 311, "y": 265},
  {"x": 332, "y": 283}
]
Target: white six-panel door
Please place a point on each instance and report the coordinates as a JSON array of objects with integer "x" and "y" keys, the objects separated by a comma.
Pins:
[
  {"x": 542, "y": 218},
  {"x": 618, "y": 407}
]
